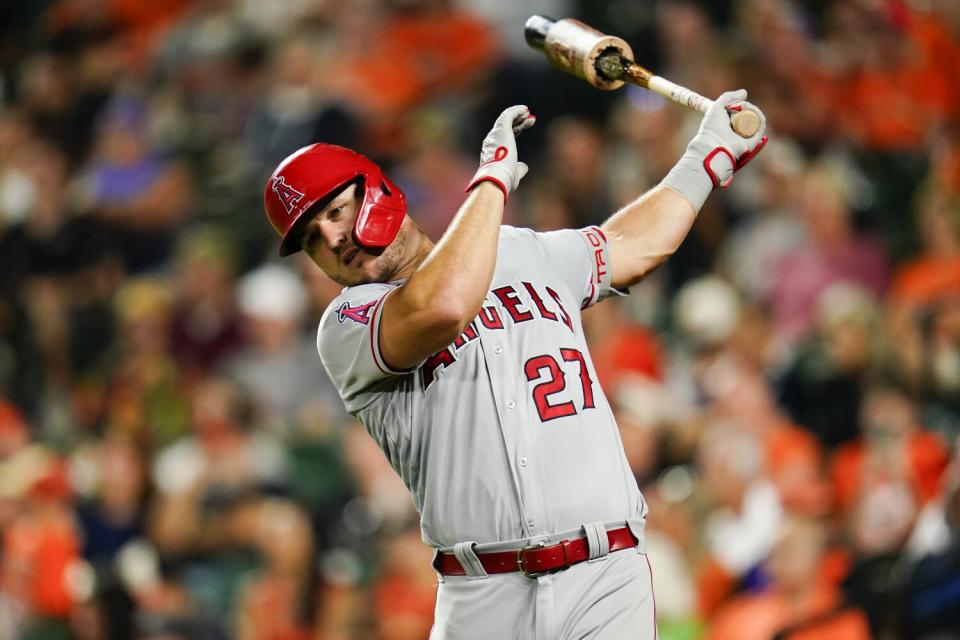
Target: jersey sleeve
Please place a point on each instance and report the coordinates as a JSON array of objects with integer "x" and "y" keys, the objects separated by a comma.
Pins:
[
  {"x": 582, "y": 258},
  {"x": 349, "y": 344}
]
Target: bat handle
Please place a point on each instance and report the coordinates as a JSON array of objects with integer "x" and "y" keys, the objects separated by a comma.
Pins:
[{"x": 745, "y": 122}]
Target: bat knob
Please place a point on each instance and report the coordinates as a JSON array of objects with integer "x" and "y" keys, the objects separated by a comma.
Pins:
[{"x": 745, "y": 122}]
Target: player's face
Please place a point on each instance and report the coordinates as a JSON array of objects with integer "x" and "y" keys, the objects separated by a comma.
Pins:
[{"x": 328, "y": 240}]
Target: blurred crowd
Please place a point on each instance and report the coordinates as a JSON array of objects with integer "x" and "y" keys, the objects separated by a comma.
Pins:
[{"x": 174, "y": 463}]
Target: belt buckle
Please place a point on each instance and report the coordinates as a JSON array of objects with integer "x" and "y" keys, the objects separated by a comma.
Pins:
[{"x": 520, "y": 565}]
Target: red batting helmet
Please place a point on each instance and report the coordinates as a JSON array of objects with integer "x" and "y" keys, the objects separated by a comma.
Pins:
[{"x": 312, "y": 173}]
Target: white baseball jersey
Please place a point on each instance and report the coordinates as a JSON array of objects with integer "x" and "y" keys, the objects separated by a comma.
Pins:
[{"x": 505, "y": 434}]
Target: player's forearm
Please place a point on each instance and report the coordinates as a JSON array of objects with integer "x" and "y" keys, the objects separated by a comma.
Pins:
[
  {"x": 452, "y": 282},
  {"x": 446, "y": 291},
  {"x": 645, "y": 233}
]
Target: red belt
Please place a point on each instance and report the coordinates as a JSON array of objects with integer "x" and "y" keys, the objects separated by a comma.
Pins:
[{"x": 536, "y": 560}]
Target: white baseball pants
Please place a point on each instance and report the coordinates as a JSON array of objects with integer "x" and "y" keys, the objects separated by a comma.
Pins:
[{"x": 609, "y": 598}]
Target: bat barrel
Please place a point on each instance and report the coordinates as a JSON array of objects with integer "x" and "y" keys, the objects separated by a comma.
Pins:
[{"x": 575, "y": 47}]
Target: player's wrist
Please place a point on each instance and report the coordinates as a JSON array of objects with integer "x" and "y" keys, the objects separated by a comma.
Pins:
[
  {"x": 705, "y": 165},
  {"x": 491, "y": 179},
  {"x": 505, "y": 174}
]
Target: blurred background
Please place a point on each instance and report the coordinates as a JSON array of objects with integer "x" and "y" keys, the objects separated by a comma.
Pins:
[{"x": 174, "y": 463}]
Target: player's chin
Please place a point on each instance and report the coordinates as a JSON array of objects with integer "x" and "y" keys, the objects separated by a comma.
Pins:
[
  {"x": 348, "y": 279},
  {"x": 364, "y": 275}
]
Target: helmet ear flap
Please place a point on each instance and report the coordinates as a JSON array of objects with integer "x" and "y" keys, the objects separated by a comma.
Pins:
[{"x": 381, "y": 213}]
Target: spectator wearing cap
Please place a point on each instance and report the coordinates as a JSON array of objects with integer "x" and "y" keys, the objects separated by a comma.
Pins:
[{"x": 278, "y": 366}]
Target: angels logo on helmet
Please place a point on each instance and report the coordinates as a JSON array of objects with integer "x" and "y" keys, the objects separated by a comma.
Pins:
[{"x": 287, "y": 194}]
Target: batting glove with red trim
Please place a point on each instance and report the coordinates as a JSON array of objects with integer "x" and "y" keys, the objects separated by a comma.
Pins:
[
  {"x": 716, "y": 152},
  {"x": 498, "y": 158}
]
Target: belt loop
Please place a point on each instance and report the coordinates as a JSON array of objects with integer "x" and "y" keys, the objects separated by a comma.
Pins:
[
  {"x": 468, "y": 560},
  {"x": 598, "y": 544},
  {"x": 637, "y": 528}
]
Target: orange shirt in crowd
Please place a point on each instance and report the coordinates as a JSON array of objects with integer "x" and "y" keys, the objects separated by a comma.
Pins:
[
  {"x": 37, "y": 553},
  {"x": 793, "y": 464},
  {"x": 626, "y": 350},
  {"x": 409, "y": 60},
  {"x": 761, "y": 616},
  {"x": 715, "y": 585},
  {"x": 404, "y": 606},
  {"x": 926, "y": 279},
  {"x": 268, "y": 610},
  {"x": 894, "y": 107},
  {"x": 413, "y": 58},
  {"x": 140, "y": 22},
  {"x": 146, "y": 16},
  {"x": 926, "y": 461}
]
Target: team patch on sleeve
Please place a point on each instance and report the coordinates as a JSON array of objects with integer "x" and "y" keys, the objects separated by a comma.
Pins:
[
  {"x": 359, "y": 314},
  {"x": 348, "y": 343}
]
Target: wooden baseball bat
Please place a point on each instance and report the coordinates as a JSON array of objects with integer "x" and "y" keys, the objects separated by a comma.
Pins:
[{"x": 606, "y": 62}]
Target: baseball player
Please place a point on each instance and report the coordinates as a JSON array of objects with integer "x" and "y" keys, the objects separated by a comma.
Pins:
[{"x": 467, "y": 363}]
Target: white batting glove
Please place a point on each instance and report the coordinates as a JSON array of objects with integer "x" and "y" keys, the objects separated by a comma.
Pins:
[
  {"x": 716, "y": 152},
  {"x": 498, "y": 158}
]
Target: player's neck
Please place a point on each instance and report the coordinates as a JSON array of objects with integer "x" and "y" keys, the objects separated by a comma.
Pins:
[{"x": 419, "y": 251}]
